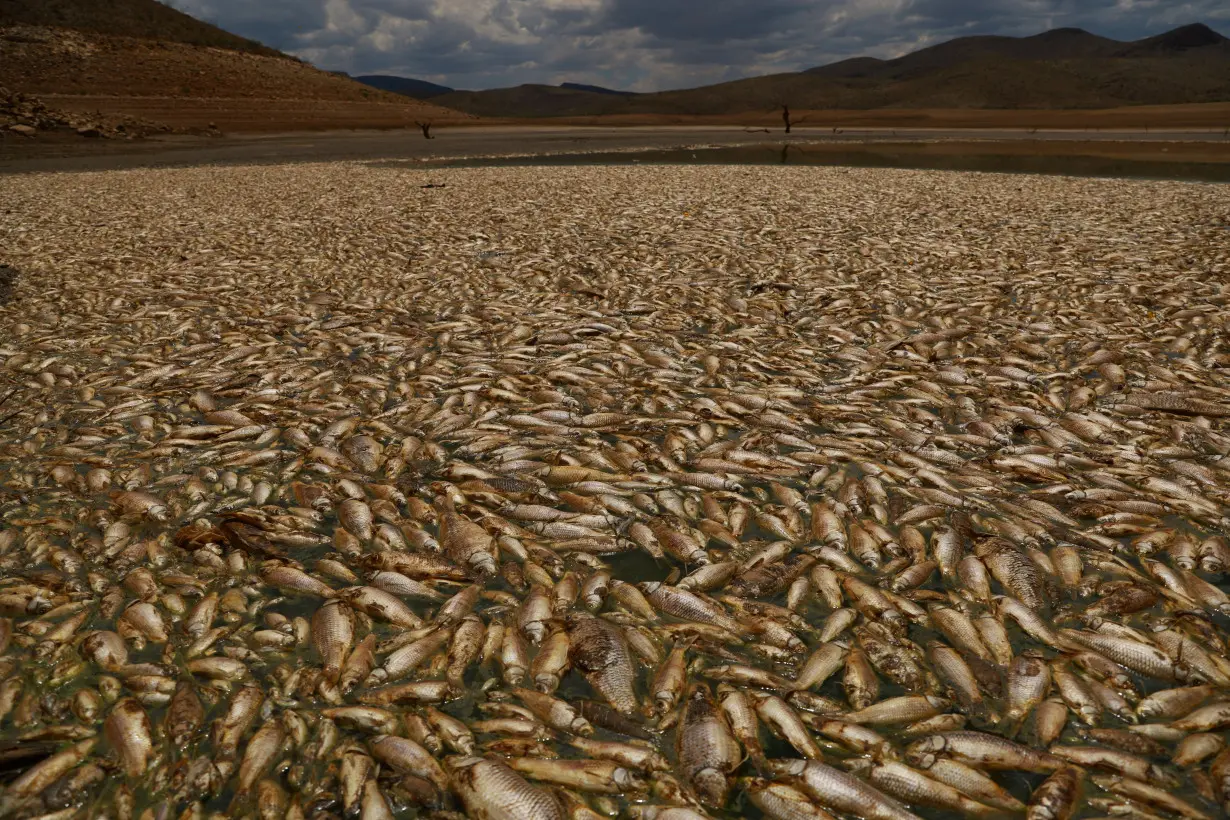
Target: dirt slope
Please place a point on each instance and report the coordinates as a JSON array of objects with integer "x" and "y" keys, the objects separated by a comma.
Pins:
[
  {"x": 147, "y": 19},
  {"x": 140, "y": 58}
]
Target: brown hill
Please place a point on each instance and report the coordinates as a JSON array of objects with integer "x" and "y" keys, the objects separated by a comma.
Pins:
[
  {"x": 1057, "y": 44},
  {"x": 142, "y": 59},
  {"x": 1185, "y": 38},
  {"x": 126, "y": 18},
  {"x": 1058, "y": 69}
]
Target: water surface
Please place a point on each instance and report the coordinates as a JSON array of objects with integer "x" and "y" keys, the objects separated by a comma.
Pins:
[{"x": 915, "y": 156}]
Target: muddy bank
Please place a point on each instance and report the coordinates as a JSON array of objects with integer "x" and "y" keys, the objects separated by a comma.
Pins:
[{"x": 18, "y": 156}]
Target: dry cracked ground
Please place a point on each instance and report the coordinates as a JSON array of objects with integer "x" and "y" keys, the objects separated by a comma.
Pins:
[{"x": 343, "y": 490}]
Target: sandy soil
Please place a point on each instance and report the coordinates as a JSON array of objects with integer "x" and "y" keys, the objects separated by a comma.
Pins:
[{"x": 264, "y": 116}]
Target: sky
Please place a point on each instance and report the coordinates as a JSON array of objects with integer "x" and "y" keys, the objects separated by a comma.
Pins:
[{"x": 653, "y": 45}]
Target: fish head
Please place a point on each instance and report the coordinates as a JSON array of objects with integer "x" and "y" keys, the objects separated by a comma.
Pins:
[
  {"x": 923, "y": 753},
  {"x": 628, "y": 779},
  {"x": 787, "y": 767},
  {"x": 699, "y": 691},
  {"x": 711, "y": 787},
  {"x": 461, "y": 765}
]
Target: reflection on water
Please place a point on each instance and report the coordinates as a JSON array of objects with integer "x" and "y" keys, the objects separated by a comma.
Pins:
[{"x": 861, "y": 156}]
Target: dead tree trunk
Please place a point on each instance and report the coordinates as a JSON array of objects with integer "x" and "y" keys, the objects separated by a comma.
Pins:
[{"x": 425, "y": 127}]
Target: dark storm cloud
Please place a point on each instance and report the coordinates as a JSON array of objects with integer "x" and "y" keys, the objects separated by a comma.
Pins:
[{"x": 651, "y": 44}]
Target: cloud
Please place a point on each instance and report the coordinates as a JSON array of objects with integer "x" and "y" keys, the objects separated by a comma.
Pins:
[{"x": 646, "y": 45}]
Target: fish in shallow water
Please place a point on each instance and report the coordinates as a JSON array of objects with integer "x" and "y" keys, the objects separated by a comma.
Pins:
[{"x": 918, "y": 479}]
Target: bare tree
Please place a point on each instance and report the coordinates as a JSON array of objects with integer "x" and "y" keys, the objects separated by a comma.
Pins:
[
  {"x": 789, "y": 120},
  {"x": 425, "y": 127}
]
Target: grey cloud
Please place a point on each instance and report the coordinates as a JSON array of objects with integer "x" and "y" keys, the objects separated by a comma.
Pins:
[
  {"x": 653, "y": 44},
  {"x": 277, "y": 23},
  {"x": 406, "y": 9},
  {"x": 712, "y": 21}
]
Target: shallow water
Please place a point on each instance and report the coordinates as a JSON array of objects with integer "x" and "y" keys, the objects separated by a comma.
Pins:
[
  {"x": 1120, "y": 261},
  {"x": 859, "y": 156}
]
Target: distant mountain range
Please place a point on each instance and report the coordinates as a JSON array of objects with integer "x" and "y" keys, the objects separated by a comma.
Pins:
[
  {"x": 595, "y": 89},
  {"x": 419, "y": 89},
  {"x": 1056, "y": 45},
  {"x": 423, "y": 90},
  {"x": 114, "y": 50},
  {"x": 1066, "y": 68}
]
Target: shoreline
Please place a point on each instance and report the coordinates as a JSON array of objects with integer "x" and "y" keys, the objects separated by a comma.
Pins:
[{"x": 60, "y": 154}]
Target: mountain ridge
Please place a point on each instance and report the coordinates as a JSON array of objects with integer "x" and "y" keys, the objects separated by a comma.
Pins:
[
  {"x": 596, "y": 89},
  {"x": 1065, "y": 68},
  {"x": 406, "y": 86},
  {"x": 425, "y": 90}
]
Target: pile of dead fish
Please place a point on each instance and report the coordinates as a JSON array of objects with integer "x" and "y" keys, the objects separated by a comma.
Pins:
[{"x": 584, "y": 493}]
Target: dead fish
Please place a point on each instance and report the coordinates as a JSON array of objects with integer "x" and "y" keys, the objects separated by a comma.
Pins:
[
  {"x": 490, "y": 789},
  {"x": 600, "y": 652},
  {"x": 707, "y": 751},
  {"x": 930, "y": 514}
]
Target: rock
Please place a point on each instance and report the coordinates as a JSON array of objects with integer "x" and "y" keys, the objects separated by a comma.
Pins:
[
  {"x": 30, "y": 112},
  {"x": 24, "y": 130}
]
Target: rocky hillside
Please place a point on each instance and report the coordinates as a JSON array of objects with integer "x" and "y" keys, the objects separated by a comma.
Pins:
[
  {"x": 109, "y": 53},
  {"x": 23, "y": 115},
  {"x": 41, "y": 60},
  {"x": 146, "y": 19}
]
